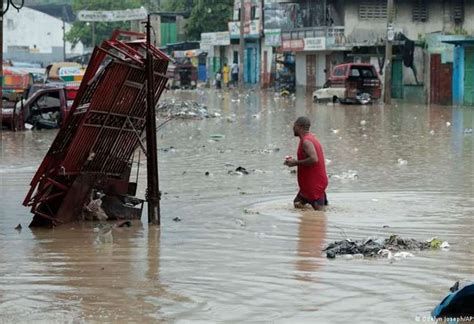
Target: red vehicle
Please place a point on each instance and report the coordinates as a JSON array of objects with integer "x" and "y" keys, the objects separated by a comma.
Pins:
[
  {"x": 46, "y": 107},
  {"x": 351, "y": 83}
]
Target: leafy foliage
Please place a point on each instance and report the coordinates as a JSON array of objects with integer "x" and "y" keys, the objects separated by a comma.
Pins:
[
  {"x": 206, "y": 15},
  {"x": 82, "y": 31}
]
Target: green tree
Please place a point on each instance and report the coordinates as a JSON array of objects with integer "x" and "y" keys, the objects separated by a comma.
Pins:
[
  {"x": 82, "y": 31},
  {"x": 206, "y": 15},
  {"x": 209, "y": 16}
]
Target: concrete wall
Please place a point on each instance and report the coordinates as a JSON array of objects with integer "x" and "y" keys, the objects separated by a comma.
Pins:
[
  {"x": 439, "y": 21},
  {"x": 35, "y": 30}
]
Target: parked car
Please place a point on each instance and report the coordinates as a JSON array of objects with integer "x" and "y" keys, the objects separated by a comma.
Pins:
[
  {"x": 351, "y": 83},
  {"x": 182, "y": 74},
  {"x": 47, "y": 105}
]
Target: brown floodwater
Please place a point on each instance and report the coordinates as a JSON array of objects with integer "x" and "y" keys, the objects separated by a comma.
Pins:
[{"x": 240, "y": 251}]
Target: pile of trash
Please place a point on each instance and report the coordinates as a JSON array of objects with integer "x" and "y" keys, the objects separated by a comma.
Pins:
[
  {"x": 185, "y": 109},
  {"x": 394, "y": 246}
]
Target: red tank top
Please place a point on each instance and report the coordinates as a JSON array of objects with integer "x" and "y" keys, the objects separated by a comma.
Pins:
[{"x": 312, "y": 179}]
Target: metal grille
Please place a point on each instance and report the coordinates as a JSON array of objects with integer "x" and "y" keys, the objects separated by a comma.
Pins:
[
  {"x": 373, "y": 10},
  {"x": 104, "y": 126},
  {"x": 420, "y": 11}
]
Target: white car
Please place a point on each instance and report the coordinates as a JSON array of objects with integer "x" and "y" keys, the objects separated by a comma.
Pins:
[
  {"x": 328, "y": 94},
  {"x": 338, "y": 95}
]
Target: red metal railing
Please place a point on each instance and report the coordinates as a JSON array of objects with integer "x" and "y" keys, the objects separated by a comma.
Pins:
[{"x": 102, "y": 130}]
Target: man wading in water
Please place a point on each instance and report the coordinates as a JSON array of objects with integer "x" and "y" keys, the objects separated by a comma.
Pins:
[{"x": 312, "y": 178}]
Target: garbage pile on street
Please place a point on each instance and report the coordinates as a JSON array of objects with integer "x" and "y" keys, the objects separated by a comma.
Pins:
[
  {"x": 185, "y": 109},
  {"x": 392, "y": 247}
]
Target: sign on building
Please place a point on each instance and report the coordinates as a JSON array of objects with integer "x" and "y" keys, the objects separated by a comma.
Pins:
[
  {"x": 315, "y": 44},
  {"x": 112, "y": 15},
  {"x": 214, "y": 39},
  {"x": 272, "y": 37},
  {"x": 251, "y": 29},
  {"x": 291, "y": 45}
]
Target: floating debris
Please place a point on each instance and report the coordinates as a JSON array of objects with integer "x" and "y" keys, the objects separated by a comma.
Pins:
[
  {"x": 185, "y": 109},
  {"x": 379, "y": 247},
  {"x": 402, "y": 162},
  {"x": 124, "y": 223},
  {"x": 18, "y": 227},
  {"x": 242, "y": 170},
  {"x": 349, "y": 175},
  {"x": 105, "y": 234},
  {"x": 217, "y": 137},
  {"x": 177, "y": 219}
]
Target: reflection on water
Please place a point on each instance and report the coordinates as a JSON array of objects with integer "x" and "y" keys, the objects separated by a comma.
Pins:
[{"x": 241, "y": 252}]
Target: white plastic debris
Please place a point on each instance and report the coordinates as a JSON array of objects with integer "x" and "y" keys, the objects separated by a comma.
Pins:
[
  {"x": 363, "y": 122},
  {"x": 335, "y": 131},
  {"x": 444, "y": 245},
  {"x": 402, "y": 161},
  {"x": 448, "y": 124},
  {"x": 432, "y": 132},
  {"x": 403, "y": 255},
  {"x": 385, "y": 253}
]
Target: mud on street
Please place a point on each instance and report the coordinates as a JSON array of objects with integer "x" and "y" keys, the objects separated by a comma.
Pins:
[{"x": 231, "y": 246}]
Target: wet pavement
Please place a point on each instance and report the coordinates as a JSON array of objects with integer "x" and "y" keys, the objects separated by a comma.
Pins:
[{"x": 240, "y": 251}]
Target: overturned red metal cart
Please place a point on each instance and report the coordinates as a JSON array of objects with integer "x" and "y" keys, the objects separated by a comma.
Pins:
[{"x": 94, "y": 148}]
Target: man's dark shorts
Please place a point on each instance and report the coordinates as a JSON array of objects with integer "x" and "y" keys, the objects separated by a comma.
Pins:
[{"x": 317, "y": 204}]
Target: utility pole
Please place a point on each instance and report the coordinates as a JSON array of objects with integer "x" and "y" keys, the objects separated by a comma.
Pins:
[
  {"x": 93, "y": 35},
  {"x": 64, "y": 40},
  {"x": 241, "y": 45},
  {"x": 153, "y": 191},
  {"x": 388, "y": 54}
]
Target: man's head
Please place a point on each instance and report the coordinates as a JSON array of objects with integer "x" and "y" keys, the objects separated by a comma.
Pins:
[{"x": 301, "y": 126}]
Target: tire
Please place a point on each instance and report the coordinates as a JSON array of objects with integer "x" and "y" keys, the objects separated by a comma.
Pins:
[
  {"x": 365, "y": 98},
  {"x": 315, "y": 99},
  {"x": 335, "y": 99}
]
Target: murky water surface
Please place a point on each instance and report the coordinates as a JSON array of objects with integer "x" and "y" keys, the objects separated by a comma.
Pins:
[{"x": 241, "y": 252}]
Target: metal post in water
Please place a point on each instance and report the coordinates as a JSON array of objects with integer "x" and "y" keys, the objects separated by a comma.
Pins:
[
  {"x": 153, "y": 191},
  {"x": 388, "y": 56}
]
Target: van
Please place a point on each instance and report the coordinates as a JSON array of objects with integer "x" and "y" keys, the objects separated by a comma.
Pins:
[{"x": 351, "y": 83}]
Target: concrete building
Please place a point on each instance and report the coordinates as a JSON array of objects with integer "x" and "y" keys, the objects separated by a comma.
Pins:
[
  {"x": 32, "y": 36},
  {"x": 323, "y": 33}
]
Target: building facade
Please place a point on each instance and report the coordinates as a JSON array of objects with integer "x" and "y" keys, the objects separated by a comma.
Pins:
[{"x": 41, "y": 37}]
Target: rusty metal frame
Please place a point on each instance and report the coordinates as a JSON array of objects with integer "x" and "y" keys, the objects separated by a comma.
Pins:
[{"x": 112, "y": 95}]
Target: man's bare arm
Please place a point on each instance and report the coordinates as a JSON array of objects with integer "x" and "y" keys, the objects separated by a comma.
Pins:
[{"x": 312, "y": 156}]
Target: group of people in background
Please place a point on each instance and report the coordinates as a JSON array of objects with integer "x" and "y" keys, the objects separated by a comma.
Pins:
[{"x": 228, "y": 75}]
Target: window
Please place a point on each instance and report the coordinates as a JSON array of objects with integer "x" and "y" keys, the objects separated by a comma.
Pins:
[
  {"x": 48, "y": 102},
  {"x": 420, "y": 11},
  {"x": 237, "y": 15},
  {"x": 367, "y": 72},
  {"x": 457, "y": 7},
  {"x": 373, "y": 10},
  {"x": 253, "y": 12},
  {"x": 340, "y": 71},
  {"x": 355, "y": 72}
]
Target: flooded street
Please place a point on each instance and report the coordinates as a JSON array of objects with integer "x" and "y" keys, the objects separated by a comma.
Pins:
[{"x": 241, "y": 252}]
